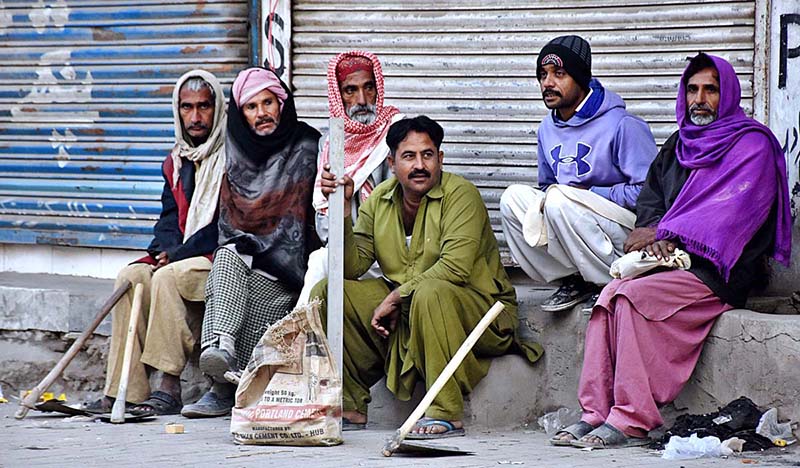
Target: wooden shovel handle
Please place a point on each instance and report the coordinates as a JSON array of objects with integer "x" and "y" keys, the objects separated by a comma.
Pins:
[
  {"x": 440, "y": 382},
  {"x": 118, "y": 410},
  {"x": 29, "y": 402}
]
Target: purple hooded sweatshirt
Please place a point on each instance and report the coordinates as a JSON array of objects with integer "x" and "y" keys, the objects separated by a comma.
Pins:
[{"x": 602, "y": 147}]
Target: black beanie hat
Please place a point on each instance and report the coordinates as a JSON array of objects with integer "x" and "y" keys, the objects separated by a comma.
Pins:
[{"x": 572, "y": 53}]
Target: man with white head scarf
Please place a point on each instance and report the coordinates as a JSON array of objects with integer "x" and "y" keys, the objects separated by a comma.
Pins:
[{"x": 175, "y": 270}]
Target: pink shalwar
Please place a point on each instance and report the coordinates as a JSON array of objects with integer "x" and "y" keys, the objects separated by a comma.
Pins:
[{"x": 642, "y": 344}]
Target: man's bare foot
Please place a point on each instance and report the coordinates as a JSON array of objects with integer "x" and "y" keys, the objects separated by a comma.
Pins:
[
  {"x": 427, "y": 426},
  {"x": 592, "y": 439},
  {"x": 564, "y": 436},
  {"x": 354, "y": 417},
  {"x": 170, "y": 384}
]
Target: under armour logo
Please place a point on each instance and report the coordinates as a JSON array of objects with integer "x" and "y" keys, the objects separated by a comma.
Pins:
[{"x": 578, "y": 159}]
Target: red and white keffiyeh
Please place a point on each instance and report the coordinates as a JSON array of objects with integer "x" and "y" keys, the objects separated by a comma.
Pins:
[{"x": 364, "y": 145}]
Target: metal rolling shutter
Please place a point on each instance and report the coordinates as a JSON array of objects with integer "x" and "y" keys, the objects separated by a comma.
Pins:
[
  {"x": 85, "y": 110},
  {"x": 471, "y": 65}
]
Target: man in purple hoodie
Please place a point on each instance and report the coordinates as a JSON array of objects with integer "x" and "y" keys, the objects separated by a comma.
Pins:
[{"x": 593, "y": 157}]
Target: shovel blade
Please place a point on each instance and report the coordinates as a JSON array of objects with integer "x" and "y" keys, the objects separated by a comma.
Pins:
[{"x": 430, "y": 449}]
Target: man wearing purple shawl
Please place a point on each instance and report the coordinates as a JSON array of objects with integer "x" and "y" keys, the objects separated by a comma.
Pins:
[{"x": 717, "y": 190}]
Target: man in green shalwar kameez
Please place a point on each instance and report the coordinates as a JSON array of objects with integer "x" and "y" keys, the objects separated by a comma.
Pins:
[{"x": 430, "y": 233}]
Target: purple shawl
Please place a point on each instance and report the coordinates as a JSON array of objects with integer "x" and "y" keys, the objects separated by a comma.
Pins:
[{"x": 737, "y": 172}]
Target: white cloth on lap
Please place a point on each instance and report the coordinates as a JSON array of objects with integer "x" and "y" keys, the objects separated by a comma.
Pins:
[
  {"x": 585, "y": 232},
  {"x": 637, "y": 262},
  {"x": 534, "y": 226}
]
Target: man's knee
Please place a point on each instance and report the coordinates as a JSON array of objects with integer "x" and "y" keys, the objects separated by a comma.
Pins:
[
  {"x": 164, "y": 277},
  {"x": 555, "y": 205},
  {"x": 135, "y": 273},
  {"x": 516, "y": 198},
  {"x": 426, "y": 300}
]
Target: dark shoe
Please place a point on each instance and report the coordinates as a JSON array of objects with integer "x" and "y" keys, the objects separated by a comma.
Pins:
[
  {"x": 589, "y": 304},
  {"x": 210, "y": 405},
  {"x": 572, "y": 292},
  {"x": 159, "y": 404},
  {"x": 215, "y": 362},
  {"x": 348, "y": 425}
]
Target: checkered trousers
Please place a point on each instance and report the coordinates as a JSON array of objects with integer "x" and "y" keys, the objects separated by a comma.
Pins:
[{"x": 242, "y": 304}]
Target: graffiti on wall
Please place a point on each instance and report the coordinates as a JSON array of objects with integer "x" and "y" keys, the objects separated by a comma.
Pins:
[
  {"x": 784, "y": 105},
  {"x": 5, "y": 19},
  {"x": 787, "y": 52},
  {"x": 275, "y": 37},
  {"x": 57, "y": 81},
  {"x": 276, "y": 57},
  {"x": 51, "y": 14}
]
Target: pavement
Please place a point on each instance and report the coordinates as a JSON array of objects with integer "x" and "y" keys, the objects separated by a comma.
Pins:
[{"x": 48, "y": 440}]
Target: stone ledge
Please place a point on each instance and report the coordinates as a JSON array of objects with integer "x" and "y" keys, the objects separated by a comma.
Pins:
[
  {"x": 748, "y": 353},
  {"x": 56, "y": 303}
]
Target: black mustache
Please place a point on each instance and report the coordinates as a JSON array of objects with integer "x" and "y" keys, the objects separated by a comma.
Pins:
[
  {"x": 550, "y": 92},
  {"x": 198, "y": 126},
  {"x": 421, "y": 172},
  {"x": 265, "y": 120}
]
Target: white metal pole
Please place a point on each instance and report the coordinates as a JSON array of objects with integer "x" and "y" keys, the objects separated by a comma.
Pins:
[{"x": 336, "y": 246}]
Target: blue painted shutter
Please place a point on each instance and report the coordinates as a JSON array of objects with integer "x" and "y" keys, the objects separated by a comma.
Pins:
[{"x": 85, "y": 110}]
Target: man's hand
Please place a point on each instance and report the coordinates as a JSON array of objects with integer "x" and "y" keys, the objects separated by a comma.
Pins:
[
  {"x": 162, "y": 259},
  {"x": 384, "y": 319},
  {"x": 639, "y": 238},
  {"x": 329, "y": 184},
  {"x": 661, "y": 249}
]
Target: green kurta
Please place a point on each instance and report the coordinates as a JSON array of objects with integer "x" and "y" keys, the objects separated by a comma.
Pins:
[{"x": 449, "y": 276}]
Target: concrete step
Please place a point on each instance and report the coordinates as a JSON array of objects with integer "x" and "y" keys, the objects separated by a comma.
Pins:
[
  {"x": 748, "y": 353},
  {"x": 54, "y": 303}
]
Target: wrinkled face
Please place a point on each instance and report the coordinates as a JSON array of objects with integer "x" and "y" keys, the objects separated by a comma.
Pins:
[
  {"x": 702, "y": 96},
  {"x": 263, "y": 113},
  {"x": 196, "y": 109},
  {"x": 560, "y": 91},
  {"x": 417, "y": 164},
  {"x": 359, "y": 94}
]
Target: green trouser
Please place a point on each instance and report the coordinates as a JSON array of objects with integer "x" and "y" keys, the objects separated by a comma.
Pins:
[{"x": 432, "y": 326}]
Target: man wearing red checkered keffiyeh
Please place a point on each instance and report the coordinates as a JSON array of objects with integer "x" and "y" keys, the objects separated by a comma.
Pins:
[{"x": 355, "y": 93}]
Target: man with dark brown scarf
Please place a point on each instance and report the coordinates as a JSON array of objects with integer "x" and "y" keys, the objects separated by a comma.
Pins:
[{"x": 266, "y": 229}]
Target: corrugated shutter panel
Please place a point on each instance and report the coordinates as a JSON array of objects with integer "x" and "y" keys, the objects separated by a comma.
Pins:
[
  {"x": 85, "y": 110},
  {"x": 471, "y": 65}
]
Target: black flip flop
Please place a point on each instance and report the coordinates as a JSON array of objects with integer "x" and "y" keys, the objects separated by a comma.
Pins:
[{"x": 159, "y": 404}]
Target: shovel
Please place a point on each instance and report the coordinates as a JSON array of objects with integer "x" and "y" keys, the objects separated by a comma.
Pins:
[
  {"x": 398, "y": 443},
  {"x": 29, "y": 402}
]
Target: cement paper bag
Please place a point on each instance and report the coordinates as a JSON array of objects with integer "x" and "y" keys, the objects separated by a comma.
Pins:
[{"x": 290, "y": 393}]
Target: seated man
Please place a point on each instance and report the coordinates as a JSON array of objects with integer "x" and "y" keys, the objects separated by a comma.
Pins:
[
  {"x": 718, "y": 190},
  {"x": 430, "y": 234},
  {"x": 355, "y": 93},
  {"x": 175, "y": 270},
  {"x": 595, "y": 155},
  {"x": 265, "y": 229}
]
